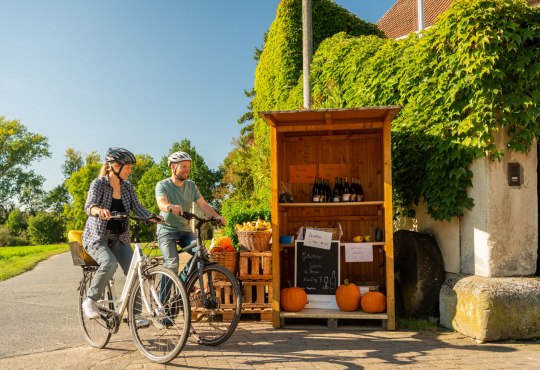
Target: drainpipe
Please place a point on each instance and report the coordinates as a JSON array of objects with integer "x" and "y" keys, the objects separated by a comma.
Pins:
[
  {"x": 307, "y": 50},
  {"x": 420, "y": 7}
]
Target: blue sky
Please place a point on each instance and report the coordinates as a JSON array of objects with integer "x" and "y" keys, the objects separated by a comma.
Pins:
[{"x": 136, "y": 74}]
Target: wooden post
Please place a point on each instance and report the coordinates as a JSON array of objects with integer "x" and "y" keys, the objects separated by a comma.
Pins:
[{"x": 307, "y": 50}]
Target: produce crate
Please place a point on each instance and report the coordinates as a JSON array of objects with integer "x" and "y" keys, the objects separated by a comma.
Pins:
[
  {"x": 257, "y": 295},
  {"x": 225, "y": 296},
  {"x": 255, "y": 265}
]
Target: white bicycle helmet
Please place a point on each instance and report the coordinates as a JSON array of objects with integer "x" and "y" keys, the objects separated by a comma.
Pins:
[{"x": 178, "y": 157}]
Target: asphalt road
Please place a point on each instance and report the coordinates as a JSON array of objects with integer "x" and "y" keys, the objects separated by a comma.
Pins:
[{"x": 38, "y": 309}]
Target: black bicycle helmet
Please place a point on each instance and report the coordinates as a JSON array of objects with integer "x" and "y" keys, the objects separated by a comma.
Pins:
[
  {"x": 120, "y": 155},
  {"x": 178, "y": 157}
]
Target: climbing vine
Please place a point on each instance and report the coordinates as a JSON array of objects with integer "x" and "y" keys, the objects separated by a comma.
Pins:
[{"x": 475, "y": 74}]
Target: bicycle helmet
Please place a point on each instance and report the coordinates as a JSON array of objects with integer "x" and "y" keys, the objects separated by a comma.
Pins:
[
  {"x": 120, "y": 155},
  {"x": 178, "y": 157}
]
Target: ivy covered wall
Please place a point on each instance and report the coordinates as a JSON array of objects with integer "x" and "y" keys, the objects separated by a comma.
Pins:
[{"x": 477, "y": 71}]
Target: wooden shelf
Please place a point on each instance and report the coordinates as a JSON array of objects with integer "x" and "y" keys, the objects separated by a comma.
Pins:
[
  {"x": 342, "y": 204},
  {"x": 281, "y": 246},
  {"x": 325, "y": 313}
]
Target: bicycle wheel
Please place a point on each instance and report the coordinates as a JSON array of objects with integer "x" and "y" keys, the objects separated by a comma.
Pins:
[
  {"x": 168, "y": 320},
  {"x": 96, "y": 331},
  {"x": 214, "y": 319}
]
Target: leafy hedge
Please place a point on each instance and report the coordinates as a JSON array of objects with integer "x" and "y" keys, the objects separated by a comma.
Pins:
[
  {"x": 238, "y": 213},
  {"x": 476, "y": 73}
]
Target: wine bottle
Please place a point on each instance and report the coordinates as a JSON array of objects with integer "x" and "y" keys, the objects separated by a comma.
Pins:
[
  {"x": 360, "y": 191},
  {"x": 315, "y": 192},
  {"x": 346, "y": 190},
  {"x": 336, "y": 197},
  {"x": 352, "y": 198}
]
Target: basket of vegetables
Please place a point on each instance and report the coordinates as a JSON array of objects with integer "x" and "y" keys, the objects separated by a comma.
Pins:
[
  {"x": 255, "y": 235},
  {"x": 222, "y": 251}
]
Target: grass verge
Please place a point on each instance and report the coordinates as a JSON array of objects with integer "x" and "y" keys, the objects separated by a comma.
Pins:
[{"x": 16, "y": 260}]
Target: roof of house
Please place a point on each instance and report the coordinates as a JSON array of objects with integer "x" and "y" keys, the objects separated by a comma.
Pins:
[{"x": 402, "y": 18}]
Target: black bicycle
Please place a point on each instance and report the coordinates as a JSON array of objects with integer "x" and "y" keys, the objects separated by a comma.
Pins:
[{"x": 214, "y": 292}]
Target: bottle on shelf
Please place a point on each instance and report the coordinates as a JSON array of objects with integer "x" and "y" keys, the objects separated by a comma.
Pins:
[
  {"x": 359, "y": 191},
  {"x": 315, "y": 191},
  {"x": 336, "y": 192},
  {"x": 346, "y": 190},
  {"x": 352, "y": 197}
]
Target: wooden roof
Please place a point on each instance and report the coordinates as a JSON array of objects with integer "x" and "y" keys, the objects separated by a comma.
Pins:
[{"x": 335, "y": 119}]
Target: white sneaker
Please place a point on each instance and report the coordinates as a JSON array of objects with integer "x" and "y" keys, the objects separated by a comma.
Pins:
[{"x": 90, "y": 308}]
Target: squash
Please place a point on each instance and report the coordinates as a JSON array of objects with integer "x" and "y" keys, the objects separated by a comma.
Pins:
[
  {"x": 373, "y": 302},
  {"x": 348, "y": 296},
  {"x": 293, "y": 299}
]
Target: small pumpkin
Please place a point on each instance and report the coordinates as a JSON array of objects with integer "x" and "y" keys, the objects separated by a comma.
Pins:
[
  {"x": 348, "y": 296},
  {"x": 293, "y": 299},
  {"x": 373, "y": 302}
]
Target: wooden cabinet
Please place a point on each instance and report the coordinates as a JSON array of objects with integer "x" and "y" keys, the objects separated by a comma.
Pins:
[{"x": 328, "y": 143}]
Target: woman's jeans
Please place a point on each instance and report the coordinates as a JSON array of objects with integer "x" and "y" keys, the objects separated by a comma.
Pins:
[{"x": 108, "y": 255}]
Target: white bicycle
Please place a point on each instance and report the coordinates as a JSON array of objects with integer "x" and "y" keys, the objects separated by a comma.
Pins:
[{"x": 159, "y": 326}]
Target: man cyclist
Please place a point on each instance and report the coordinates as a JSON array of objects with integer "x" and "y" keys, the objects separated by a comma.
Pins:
[{"x": 174, "y": 195}]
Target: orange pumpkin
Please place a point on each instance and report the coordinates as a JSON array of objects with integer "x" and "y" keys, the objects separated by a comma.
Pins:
[
  {"x": 348, "y": 297},
  {"x": 293, "y": 299},
  {"x": 373, "y": 302}
]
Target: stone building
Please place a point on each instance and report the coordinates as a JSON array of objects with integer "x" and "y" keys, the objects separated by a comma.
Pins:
[{"x": 491, "y": 253}]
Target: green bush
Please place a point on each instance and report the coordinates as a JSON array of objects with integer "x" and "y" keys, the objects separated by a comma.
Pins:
[
  {"x": 7, "y": 239},
  {"x": 16, "y": 222},
  {"x": 46, "y": 228},
  {"x": 237, "y": 213}
]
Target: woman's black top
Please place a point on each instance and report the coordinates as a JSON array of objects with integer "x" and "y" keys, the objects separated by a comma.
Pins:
[{"x": 116, "y": 226}]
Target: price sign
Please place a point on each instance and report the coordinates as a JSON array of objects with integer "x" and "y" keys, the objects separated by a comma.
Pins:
[
  {"x": 318, "y": 239},
  {"x": 358, "y": 252}
]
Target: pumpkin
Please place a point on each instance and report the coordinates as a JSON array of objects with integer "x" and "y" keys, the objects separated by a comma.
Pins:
[
  {"x": 348, "y": 296},
  {"x": 293, "y": 299},
  {"x": 373, "y": 302}
]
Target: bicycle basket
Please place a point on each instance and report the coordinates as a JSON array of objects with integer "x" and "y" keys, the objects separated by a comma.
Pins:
[{"x": 78, "y": 254}]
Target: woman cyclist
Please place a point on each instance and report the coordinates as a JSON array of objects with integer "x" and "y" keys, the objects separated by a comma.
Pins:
[{"x": 107, "y": 241}]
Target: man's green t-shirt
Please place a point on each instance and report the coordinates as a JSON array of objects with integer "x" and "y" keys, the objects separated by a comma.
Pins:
[{"x": 182, "y": 195}]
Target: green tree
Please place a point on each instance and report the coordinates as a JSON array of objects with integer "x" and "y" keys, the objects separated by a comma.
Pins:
[
  {"x": 144, "y": 163},
  {"x": 72, "y": 163},
  {"x": 92, "y": 157},
  {"x": 17, "y": 222},
  {"x": 146, "y": 189},
  {"x": 77, "y": 186},
  {"x": 46, "y": 228},
  {"x": 20, "y": 148},
  {"x": 58, "y": 197}
]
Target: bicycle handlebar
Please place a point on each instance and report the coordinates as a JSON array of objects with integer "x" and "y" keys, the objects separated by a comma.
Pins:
[
  {"x": 123, "y": 216},
  {"x": 188, "y": 216}
]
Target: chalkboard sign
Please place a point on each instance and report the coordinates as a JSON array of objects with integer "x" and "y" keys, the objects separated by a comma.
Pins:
[{"x": 317, "y": 271}]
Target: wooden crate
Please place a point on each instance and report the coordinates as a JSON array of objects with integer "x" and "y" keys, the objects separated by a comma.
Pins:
[
  {"x": 255, "y": 266},
  {"x": 257, "y": 295},
  {"x": 227, "y": 301}
]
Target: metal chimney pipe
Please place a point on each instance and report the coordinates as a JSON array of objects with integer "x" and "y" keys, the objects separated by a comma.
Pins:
[
  {"x": 307, "y": 50},
  {"x": 421, "y": 24}
]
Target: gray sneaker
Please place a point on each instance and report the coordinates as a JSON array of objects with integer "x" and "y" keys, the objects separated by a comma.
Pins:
[
  {"x": 142, "y": 323},
  {"x": 90, "y": 308}
]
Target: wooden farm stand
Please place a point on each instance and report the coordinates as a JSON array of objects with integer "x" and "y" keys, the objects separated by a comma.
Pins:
[{"x": 355, "y": 143}]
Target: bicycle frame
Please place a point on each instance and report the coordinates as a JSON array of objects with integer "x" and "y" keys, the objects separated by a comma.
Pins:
[
  {"x": 200, "y": 257},
  {"x": 135, "y": 271}
]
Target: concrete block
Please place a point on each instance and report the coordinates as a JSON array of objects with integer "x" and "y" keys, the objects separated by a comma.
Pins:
[{"x": 491, "y": 308}]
